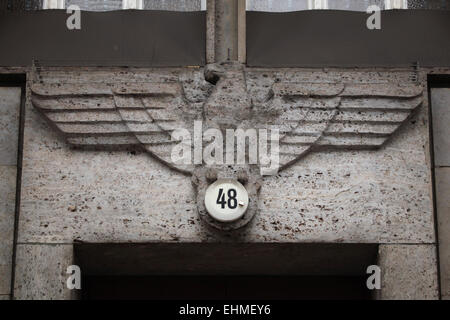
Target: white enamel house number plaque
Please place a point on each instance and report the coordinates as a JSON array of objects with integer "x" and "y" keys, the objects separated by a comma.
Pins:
[{"x": 226, "y": 200}]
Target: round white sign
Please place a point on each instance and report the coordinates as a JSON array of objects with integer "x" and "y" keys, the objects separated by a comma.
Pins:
[{"x": 226, "y": 200}]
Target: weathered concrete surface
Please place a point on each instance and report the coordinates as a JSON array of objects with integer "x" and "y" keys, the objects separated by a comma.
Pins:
[
  {"x": 7, "y": 201},
  {"x": 9, "y": 128},
  {"x": 443, "y": 217},
  {"x": 440, "y": 101},
  {"x": 9, "y": 124},
  {"x": 41, "y": 272},
  {"x": 408, "y": 272},
  {"x": 379, "y": 196},
  {"x": 5, "y": 267},
  {"x": 210, "y": 31}
]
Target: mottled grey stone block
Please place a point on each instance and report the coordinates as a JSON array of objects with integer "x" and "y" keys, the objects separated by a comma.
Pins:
[
  {"x": 5, "y": 266},
  {"x": 9, "y": 130},
  {"x": 7, "y": 209},
  {"x": 7, "y": 201},
  {"x": 443, "y": 217},
  {"x": 9, "y": 124},
  {"x": 408, "y": 272},
  {"x": 41, "y": 272},
  {"x": 5, "y": 297},
  {"x": 440, "y": 104}
]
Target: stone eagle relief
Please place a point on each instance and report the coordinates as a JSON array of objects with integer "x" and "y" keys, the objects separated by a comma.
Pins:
[{"x": 308, "y": 116}]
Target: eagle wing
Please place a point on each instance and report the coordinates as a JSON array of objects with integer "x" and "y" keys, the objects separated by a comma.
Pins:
[
  {"x": 309, "y": 116},
  {"x": 117, "y": 115},
  {"x": 315, "y": 116}
]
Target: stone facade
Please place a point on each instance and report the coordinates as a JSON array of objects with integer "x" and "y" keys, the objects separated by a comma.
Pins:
[
  {"x": 440, "y": 98},
  {"x": 9, "y": 134},
  {"x": 408, "y": 272},
  {"x": 366, "y": 181},
  {"x": 379, "y": 196}
]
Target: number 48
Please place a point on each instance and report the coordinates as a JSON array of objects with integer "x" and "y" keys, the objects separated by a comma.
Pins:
[{"x": 232, "y": 200}]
